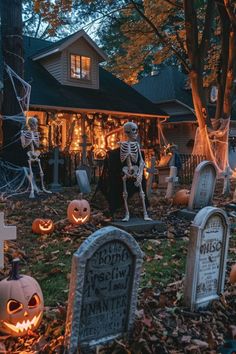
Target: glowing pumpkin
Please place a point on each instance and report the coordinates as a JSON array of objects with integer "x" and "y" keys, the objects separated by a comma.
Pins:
[
  {"x": 43, "y": 226},
  {"x": 21, "y": 305},
  {"x": 232, "y": 276},
  {"x": 181, "y": 197},
  {"x": 78, "y": 211}
]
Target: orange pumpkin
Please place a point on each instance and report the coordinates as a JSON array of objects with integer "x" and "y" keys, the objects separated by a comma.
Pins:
[
  {"x": 21, "y": 305},
  {"x": 232, "y": 276},
  {"x": 43, "y": 226},
  {"x": 181, "y": 197},
  {"x": 78, "y": 211}
]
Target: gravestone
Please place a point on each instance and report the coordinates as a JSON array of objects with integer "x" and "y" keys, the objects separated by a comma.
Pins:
[
  {"x": 202, "y": 189},
  {"x": 103, "y": 289},
  {"x": 171, "y": 182},
  {"x": 206, "y": 259},
  {"x": 83, "y": 181},
  {"x": 6, "y": 233},
  {"x": 226, "y": 174},
  {"x": 163, "y": 171},
  {"x": 56, "y": 186},
  {"x": 152, "y": 171}
]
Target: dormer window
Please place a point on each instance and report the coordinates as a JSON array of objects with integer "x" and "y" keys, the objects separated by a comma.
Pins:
[{"x": 80, "y": 67}]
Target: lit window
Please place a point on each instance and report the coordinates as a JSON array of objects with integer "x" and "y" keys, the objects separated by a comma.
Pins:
[{"x": 80, "y": 67}]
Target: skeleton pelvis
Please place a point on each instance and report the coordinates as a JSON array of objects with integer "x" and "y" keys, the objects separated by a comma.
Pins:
[
  {"x": 33, "y": 155},
  {"x": 131, "y": 171}
]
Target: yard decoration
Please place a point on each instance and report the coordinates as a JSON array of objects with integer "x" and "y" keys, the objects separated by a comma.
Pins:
[
  {"x": 181, "y": 197},
  {"x": 43, "y": 226},
  {"x": 132, "y": 160},
  {"x": 232, "y": 275},
  {"x": 21, "y": 305},
  {"x": 78, "y": 211},
  {"x": 30, "y": 141}
]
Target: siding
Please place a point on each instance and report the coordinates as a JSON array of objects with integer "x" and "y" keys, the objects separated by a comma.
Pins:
[
  {"x": 53, "y": 65},
  {"x": 80, "y": 47}
]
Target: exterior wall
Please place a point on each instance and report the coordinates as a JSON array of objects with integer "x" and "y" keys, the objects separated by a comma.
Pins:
[
  {"x": 80, "y": 47},
  {"x": 58, "y": 65},
  {"x": 53, "y": 65},
  {"x": 180, "y": 134}
]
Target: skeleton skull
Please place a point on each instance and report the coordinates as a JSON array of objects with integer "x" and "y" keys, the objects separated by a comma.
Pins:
[
  {"x": 131, "y": 130},
  {"x": 33, "y": 123}
]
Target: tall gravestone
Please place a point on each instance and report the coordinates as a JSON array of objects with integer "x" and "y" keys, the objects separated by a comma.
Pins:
[
  {"x": 202, "y": 190},
  {"x": 206, "y": 259},
  {"x": 103, "y": 289},
  {"x": 203, "y": 185}
]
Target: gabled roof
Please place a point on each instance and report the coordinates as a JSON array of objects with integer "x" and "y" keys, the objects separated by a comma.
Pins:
[
  {"x": 113, "y": 94},
  {"x": 59, "y": 46},
  {"x": 167, "y": 84}
]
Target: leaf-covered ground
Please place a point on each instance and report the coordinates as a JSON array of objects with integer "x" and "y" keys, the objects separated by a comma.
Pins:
[{"x": 162, "y": 323}]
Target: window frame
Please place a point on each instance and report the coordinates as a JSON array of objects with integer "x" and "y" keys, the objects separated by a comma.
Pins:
[{"x": 81, "y": 67}]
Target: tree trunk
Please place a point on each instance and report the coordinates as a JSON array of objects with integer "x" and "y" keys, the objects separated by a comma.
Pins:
[{"x": 12, "y": 50}]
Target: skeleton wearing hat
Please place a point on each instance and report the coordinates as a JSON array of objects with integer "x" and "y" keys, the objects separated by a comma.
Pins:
[
  {"x": 130, "y": 155},
  {"x": 30, "y": 140}
]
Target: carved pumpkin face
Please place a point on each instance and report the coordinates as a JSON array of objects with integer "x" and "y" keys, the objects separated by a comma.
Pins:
[
  {"x": 42, "y": 226},
  {"x": 181, "y": 197},
  {"x": 78, "y": 211},
  {"x": 21, "y": 305}
]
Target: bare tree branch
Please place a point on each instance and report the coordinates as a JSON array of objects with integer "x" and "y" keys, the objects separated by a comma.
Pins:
[
  {"x": 175, "y": 4},
  {"x": 206, "y": 35},
  {"x": 162, "y": 38},
  {"x": 230, "y": 11}
]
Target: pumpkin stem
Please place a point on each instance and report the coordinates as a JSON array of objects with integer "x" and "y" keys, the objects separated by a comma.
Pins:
[
  {"x": 14, "y": 273},
  {"x": 80, "y": 196}
]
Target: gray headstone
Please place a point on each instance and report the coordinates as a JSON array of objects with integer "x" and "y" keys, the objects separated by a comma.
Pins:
[
  {"x": 203, "y": 185},
  {"x": 206, "y": 259},
  {"x": 55, "y": 185},
  {"x": 83, "y": 181},
  {"x": 103, "y": 289}
]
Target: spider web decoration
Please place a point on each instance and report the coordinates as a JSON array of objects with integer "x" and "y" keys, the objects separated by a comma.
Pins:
[
  {"x": 25, "y": 99},
  {"x": 14, "y": 180}
]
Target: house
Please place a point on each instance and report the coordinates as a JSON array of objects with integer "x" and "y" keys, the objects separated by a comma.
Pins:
[
  {"x": 77, "y": 102},
  {"x": 168, "y": 89}
]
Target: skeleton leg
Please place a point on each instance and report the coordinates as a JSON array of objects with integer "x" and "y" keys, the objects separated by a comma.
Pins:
[
  {"x": 142, "y": 195},
  {"x": 41, "y": 177},
  {"x": 31, "y": 177},
  {"x": 125, "y": 197}
]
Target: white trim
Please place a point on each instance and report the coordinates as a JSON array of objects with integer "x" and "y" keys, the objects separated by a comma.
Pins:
[
  {"x": 89, "y": 110},
  {"x": 70, "y": 41}
]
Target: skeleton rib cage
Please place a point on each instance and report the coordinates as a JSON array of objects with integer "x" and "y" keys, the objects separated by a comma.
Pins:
[
  {"x": 29, "y": 137},
  {"x": 129, "y": 149}
]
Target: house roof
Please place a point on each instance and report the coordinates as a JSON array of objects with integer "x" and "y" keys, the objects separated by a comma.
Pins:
[
  {"x": 167, "y": 84},
  {"x": 60, "y": 45},
  {"x": 167, "y": 89},
  {"x": 112, "y": 96}
]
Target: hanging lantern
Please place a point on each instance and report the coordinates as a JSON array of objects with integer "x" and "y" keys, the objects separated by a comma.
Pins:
[
  {"x": 78, "y": 211},
  {"x": 43, "y": 226},
  {"x": 21, "y": 305}
]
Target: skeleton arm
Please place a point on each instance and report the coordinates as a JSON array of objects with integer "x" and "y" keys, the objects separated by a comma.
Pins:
[{"x": 141, "y": 167}]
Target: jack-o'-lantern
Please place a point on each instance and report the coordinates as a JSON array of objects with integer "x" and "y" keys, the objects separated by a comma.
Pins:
[
  {"x": 232, "y": 276},
  {"x": 181, "y": 197},
  {"x": 43, "y": 226},
  {"x": 21, "y": 305},
  {"x": 78, "y": 211}
]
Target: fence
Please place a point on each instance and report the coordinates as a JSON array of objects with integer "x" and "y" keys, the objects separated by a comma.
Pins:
[{"x": 189, "y": 163}]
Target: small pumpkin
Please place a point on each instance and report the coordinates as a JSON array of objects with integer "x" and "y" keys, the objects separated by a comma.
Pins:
[
  {"x": 232, "y": 275},
  {"x": 21, "y": 305},
  {"x": 43, "y": 226},
  {"x": 181, "y": 197},
  {"x": 78, "y": 211}
]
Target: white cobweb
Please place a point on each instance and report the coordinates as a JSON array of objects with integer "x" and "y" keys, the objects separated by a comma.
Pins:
[{"x": 14, "y": 180}]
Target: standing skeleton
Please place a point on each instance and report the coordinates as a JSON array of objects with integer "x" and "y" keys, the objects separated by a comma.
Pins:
[
  {"x": 130, "y": 154},
  {"x": 30, "y": 140}
]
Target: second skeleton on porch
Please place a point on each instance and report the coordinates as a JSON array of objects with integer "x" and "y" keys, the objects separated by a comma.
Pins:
[{"x": 130, "y": 155}]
